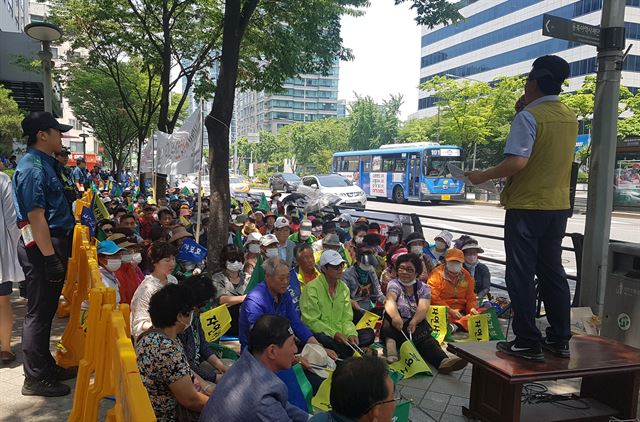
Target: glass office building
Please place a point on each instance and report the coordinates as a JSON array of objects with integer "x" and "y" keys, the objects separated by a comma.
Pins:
[
  {"x": 504, "y": 37},
  {"x": 306, "y": 98}
]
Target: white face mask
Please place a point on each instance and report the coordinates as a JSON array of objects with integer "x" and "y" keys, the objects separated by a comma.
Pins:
[
  {"x": 409, "y": 284},
  {"x": 137, "y": 258},
  {"x": 127, "y": 258},
  {"x": 358, "y": 240},
  {"x": 471, "y": 259},
  {"x": 189, "y": 266},
  {"x": 393, "y": 239},
  {"x": 416, "y": 249},
  {"x": 366, "y": 267},
  {"x": 234, "y": 266},
  {"x": 272, "y": 253},
  {"x": 440, "y": 245},
  {"x": 254, "y": 248},
  {"x": 454, "y": 267},
  {"x": 113, "y": 265}
]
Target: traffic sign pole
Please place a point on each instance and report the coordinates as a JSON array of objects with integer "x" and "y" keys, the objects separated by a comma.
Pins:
[{"x": 602, "y": 160}]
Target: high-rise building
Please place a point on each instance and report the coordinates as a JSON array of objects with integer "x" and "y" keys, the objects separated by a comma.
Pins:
[
  {"x": 14, "y": 15},
  {"x": 306, "y": 98},
  {"x": 503, "y": 38}
]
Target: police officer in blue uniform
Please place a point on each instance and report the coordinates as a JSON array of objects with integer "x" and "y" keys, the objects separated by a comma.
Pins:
[{"x": 46, "y": 223}]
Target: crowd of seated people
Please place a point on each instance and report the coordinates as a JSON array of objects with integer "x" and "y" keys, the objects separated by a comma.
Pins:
[{"x": 288, "y": 281}]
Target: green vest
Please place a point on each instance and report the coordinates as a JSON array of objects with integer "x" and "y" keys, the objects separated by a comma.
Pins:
[{"x": 543, "y": 184}]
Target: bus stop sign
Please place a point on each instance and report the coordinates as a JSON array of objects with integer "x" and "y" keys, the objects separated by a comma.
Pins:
[{"x": 566, "y": 29}]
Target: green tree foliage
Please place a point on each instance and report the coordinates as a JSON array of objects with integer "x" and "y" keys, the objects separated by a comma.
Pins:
[
  {"x": 372, "y": 125},
  {"x": 95, "y": 100},
  {"x": 10, "y": 119},
  {"x": 419, "y": 130}
]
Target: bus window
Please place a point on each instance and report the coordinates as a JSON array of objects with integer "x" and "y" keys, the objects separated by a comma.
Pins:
[
  {"x": 353, "y": 164},
  {"x": 376, "y": 163},
  {"x": 401, "y": 165},
  {"x": 437, "y": 166}
]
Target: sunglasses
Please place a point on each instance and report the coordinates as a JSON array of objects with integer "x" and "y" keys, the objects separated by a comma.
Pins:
[{"x": 380, "y": 403}]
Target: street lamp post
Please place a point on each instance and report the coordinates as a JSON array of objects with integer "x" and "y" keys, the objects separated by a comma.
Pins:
[
  {"x": 45, "y": 33},
  {"x": 84, "y": 137}
]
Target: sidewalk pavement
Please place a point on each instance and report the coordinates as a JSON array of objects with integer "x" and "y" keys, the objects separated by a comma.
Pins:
[{"x": 437, "y": 398}]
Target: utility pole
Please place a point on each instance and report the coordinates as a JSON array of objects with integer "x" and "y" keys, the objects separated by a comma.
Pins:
[{"x": 602, "y": 161}]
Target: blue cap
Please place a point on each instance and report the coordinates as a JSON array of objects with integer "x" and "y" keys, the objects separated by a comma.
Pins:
[
  {"x": 108, "y": 247},
  {"x": 174, "y": 198}
]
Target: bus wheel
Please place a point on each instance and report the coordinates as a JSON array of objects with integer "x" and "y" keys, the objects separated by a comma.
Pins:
[{"x": 398, "y": 195}]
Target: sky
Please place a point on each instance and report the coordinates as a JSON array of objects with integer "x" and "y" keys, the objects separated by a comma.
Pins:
[{"x": 386, "y": 45}]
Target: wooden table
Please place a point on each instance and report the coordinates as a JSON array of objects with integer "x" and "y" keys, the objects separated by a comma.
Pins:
[{"x": 610, "y": 373}]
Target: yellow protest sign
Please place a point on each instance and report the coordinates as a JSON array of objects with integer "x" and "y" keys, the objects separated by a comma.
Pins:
[
  {"x": 321, "y": 400},
  {"x": 410, "y": 363},
  {"x": 479, "y": 327},
  {"x": 437, "y": 318},
  {"x": 368, "y": 320},
  {"x": 215, "y": 322},
  {"x": 246, "y": 207}
]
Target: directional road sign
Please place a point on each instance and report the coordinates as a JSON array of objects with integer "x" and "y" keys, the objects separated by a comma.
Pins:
[{"x": 566, "y": 29}]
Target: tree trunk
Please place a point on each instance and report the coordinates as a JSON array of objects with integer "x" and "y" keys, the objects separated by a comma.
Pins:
[
  {"x": 165, "y": 76},
  {"x": 217, "y": 124}
]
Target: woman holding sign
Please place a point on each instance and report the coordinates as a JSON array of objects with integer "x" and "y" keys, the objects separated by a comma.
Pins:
[{"x": 406, "y": 310}]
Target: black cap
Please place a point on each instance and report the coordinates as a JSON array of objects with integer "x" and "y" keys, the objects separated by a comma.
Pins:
[{"x": 41, "y": 120}]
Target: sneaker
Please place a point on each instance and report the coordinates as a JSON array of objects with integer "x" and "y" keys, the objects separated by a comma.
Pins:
[
  {"x": 45, "y": 388},
  {"x": 449, "y": 365},
  {"x": 558, "y": 348},
  {"x": 530, "y": 353},
  {"x": 63, "y": 374}
]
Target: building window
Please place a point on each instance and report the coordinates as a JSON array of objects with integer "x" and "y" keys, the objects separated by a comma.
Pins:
[{"x": 76, "y": 147}]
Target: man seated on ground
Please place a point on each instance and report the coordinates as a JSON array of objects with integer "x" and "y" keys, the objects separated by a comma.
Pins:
[
  {"x": 303, "y": 235},
  {"x": 130, "y": 221},
  {"x": 161, "y": 228},
  {"x": 326, "y": 308},
  {"x": 452, "y": 286},
  {"x": 302, "y": 273},
  {"x": 250, "y": 390},
  {"x": 285, "y": 246},
  {"x": 330, "y": 242},
  {"x": 363, "y": 283},
  {"x": 147, "y": 220},
  {"x": 354, "y": 400},
  {"x": 272, "y": 297},
  {"x": 328, "y": 227}
]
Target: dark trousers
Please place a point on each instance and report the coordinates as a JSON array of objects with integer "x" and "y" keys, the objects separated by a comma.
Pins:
[
  {"x": 42, "y": 302},
  {"x": 533, "y": 245},
  {"x": 426, "y": 345},
  {"x": 234, "y": 330}
]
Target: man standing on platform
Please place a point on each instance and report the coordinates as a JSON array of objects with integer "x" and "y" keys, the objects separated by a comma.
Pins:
[
  {"x": 46, "y": 224},
  {"x": 538, "y": 156}
]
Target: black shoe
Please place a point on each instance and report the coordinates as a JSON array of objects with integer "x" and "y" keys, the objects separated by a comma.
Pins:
[
  {"x": 558, "y": 348},
  {"x": 530, "y": 353},
  {"x": 45, "y": 388},
  {"x": 62, "y": 374}
]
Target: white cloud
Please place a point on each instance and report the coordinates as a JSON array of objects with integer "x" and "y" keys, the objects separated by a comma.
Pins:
[{"x": 386, "y": 45}]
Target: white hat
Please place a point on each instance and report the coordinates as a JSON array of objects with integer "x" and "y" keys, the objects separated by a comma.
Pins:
[
  {"x": 446, "y": 236},
  {"x": 317, "y": 357},
  {"x": 281, "y": 222},
  {"x": 330, "y": 257},
  {"x": 106, "y": 200},
  {"x": 268, "y": 239},
  {"x": 253, "y": 237}
]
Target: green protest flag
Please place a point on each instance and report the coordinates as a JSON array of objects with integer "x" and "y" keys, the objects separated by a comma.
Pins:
[
  {"x": 264, "y": 205},
  {"x": 185, "y": 191},
  {"x": 257, "y": 276}
]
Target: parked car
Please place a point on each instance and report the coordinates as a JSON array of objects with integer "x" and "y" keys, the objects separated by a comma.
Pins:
[
  {"x": 287, "y": 182},
  {"x": 238, "y": 183},
  {"x": 339, "y": 186}
]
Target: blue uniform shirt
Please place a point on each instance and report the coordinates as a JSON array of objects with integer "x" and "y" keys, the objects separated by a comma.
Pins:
[
  {"x": 37, "y": 185},
  {"x": 260, "y": 302},
  {"x": 79, "y": 175}
]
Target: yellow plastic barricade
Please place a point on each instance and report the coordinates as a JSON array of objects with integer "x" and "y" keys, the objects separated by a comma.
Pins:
[
  {"x": 71, "y": 346},
  {"x": 108, "y": 367},
  {"x": 80, "y": 234}
]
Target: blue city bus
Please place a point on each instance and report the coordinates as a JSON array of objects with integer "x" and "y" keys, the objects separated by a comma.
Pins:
[{"x": 416, "y": 171}]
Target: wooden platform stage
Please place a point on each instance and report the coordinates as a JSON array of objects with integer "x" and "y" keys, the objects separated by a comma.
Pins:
[{"x": 610, "y": 373}]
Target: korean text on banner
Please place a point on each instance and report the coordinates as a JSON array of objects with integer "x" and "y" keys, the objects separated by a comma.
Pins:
[
  {"x": 181, "y": 152},
  {"x": 215, "y": 322},
  {"x": 368, "y": 320},
  {"x": 437, "y": 318},
  {"x": 146, "y": 157},
  {"x": 410, "y": 363},
  {"x": 479, "y": 327}
]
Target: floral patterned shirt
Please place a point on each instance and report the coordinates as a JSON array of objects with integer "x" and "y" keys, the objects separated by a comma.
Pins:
[{"x": 161, "y": 362}]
